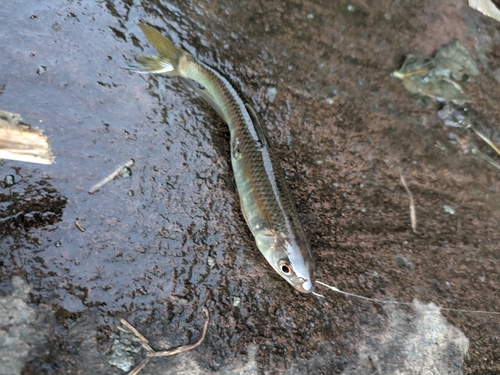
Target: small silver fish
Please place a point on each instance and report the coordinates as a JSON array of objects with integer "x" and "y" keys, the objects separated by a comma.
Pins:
[{"x": 265, "y": 198}]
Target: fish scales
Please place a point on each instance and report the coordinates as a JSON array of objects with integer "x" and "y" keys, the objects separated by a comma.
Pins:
[
  {"x": 264, "y": 176},
  {"x": 265, "y": 198}
]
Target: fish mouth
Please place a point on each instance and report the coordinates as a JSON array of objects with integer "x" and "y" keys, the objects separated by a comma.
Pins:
[{"x": 306, "y": 287}]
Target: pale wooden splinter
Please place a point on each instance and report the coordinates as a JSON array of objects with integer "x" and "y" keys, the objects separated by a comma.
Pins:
[
  {"x": 113, "y": 175},
  {"x": 22, "y": 142},
  {"x": 413, "y": 211},
  {"x": 150, "y": 352}
]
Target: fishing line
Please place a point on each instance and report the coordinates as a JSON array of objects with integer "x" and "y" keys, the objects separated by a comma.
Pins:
[{"x": 396, "y": 302}]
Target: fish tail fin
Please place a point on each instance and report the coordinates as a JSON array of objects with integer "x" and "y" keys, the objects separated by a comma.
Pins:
[{"x": 167, "y": 60}]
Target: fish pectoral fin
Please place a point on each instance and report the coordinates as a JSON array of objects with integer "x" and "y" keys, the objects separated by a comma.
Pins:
[
  {"x": 256, "y": 124},
  {"x": 204, "y": 94}
]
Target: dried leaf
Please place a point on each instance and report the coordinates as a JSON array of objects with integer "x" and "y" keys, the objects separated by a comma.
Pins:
[{"x": 439, "y": 77}]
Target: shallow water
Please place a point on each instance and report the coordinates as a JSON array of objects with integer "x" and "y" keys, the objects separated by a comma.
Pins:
[{"x": 170, "y": 239}]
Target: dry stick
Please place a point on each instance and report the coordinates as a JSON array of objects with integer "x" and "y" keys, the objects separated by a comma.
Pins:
[
  {"x": 79, "y": 226},
  {"x": 485, "y": 157},
  {"x": 140, "y": 366},
  {"x": 485, "y": 138},
  {"x": 144, "y": 341},
  {"x": 402, "y": 303},
  {"x": 185, "y": 348},
  {"x": 164, "y": 353},
  {"x": 413, "y": 211},
  {"x": 97, "y": 186},
  {"x": 406, "y": 75}
]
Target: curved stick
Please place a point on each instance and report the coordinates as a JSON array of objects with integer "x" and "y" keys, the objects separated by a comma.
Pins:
[
  {"x": 150, "y": 352},
  {"x": 185, "y": 348}
]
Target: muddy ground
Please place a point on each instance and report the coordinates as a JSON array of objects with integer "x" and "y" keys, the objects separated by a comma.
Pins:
[{"x": 166, "y": 241}]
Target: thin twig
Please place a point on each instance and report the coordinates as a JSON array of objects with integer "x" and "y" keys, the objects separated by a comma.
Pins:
[
  {"x": 79, "y": 226},
  {"x": 181, "y": 349},
  {"x": 485, "y": 138},
  {"x": 144, "y": 341},
  {"x": 485, "y": 157},
  {"x": 401, "y": 75},
  {"x": 140, "y": 366},
  {"x": 413, "y": 211},
  {"x": 97, "y": 186},
  {"x": 150, "y": 352}
]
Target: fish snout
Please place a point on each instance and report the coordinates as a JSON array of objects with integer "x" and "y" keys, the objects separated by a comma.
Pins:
[{"x": 306, "y": 287}]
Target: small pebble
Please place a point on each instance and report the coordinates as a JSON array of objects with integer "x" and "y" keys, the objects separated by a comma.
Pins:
[
  {"x": 402, "y": 262},
  {"x": 9, "y": 180},
  {"x": 449, "y": 209},
  {"x": 125, "y": 172},
  {"x": 271, "y": 93}
]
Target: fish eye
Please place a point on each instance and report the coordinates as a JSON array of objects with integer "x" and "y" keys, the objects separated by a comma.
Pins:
[{"x": 286, "y": 269}]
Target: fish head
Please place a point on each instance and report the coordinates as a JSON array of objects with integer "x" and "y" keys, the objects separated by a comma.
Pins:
[{"x": 291, "y": 257}]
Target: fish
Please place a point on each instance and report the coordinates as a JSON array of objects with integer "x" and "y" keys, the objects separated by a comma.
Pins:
[{"x": 265, "y": 199}]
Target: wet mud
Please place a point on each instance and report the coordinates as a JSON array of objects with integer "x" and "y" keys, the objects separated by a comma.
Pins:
[{"x": 169, "y": 239}]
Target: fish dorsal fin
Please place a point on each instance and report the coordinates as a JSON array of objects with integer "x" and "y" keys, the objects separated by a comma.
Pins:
[{"x": 256, "y": 124}]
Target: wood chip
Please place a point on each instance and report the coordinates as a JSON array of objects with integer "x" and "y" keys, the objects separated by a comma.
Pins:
[
  {"x": 486, "y": 7},
  {"x": 19, "y": 141}
]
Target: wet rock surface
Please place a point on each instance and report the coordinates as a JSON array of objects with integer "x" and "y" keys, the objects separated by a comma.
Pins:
[
  {"x": 24, "y": 328},
  {"x": 169, "y": 239}
]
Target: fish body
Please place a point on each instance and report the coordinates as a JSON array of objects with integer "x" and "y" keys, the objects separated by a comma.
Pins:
[{"x": 264, "y": 194}]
